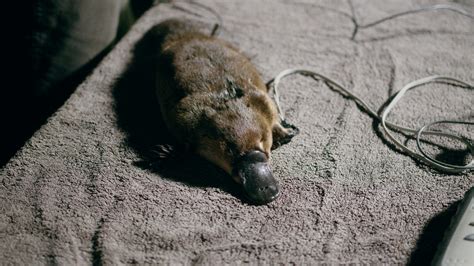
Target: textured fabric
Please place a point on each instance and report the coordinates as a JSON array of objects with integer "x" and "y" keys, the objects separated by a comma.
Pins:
[
  {"x": 67, "y": 34},
  {"x": 81, "y": 190},
  {"x": 58, "y": 43}
]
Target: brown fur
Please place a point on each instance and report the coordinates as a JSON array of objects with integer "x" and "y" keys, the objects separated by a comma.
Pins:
[{"x": 212, "y": 98}]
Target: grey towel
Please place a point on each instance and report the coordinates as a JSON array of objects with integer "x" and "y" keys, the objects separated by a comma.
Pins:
[{"x": 81, "y": 190}]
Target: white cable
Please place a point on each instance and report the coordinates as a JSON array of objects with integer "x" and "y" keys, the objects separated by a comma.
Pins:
[
  {"x": 273, "y": 87},
  {"x": 428, "y": 157},
  {"x": 414, "y": 11}
]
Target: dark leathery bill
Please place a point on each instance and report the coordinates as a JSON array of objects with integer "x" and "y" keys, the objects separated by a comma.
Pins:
[{"x": 256, "y": 177}]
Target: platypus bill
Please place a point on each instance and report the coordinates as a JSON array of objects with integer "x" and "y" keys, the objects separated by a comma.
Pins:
[{"x": 214, "y": 102}]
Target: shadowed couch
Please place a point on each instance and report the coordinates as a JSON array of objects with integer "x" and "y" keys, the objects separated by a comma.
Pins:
[{"x": 82, "y": 190}]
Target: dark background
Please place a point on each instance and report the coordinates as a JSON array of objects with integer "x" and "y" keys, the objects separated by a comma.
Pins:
[{"x": 50, "y": 47}]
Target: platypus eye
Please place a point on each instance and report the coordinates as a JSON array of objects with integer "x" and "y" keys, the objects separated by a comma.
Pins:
[{"x": 230, "y": 151}]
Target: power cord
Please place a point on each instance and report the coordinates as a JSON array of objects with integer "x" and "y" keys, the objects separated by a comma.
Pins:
[
  {"x": 358, "y": 26},
  {"x": 386, "y": 125}
]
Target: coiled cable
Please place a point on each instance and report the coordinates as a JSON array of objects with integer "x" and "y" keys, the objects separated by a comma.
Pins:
[{"x": 386, "y": 125}]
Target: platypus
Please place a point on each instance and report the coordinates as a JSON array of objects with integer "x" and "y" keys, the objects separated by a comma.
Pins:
[{"x": 214, "y": 102}]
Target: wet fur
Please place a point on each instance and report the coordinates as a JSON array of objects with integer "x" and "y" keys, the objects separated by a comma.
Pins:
[{"x": 212, "y": 98}]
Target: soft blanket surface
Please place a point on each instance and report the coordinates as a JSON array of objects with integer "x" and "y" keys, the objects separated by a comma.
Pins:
[{"x": 81, "y": 190}]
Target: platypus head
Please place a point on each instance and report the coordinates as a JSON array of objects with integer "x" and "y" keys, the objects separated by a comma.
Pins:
[{"x": 238, "y": 135}]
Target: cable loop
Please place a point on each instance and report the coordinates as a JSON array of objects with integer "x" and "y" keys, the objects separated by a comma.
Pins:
[{"x": 386, "y": 125}]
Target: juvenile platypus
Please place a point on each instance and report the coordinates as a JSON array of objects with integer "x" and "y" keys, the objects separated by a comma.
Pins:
[{"x": 214, "y": 102}]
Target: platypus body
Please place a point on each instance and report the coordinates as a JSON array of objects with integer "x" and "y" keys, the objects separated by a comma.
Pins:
[{"x": 214, "y": 102}]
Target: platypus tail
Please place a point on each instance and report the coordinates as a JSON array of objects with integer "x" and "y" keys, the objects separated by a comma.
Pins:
[
  {"x": 171, "y": 29},
  {"x": 165, "y": 32},
  {"x": 175, "y": 28}
]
